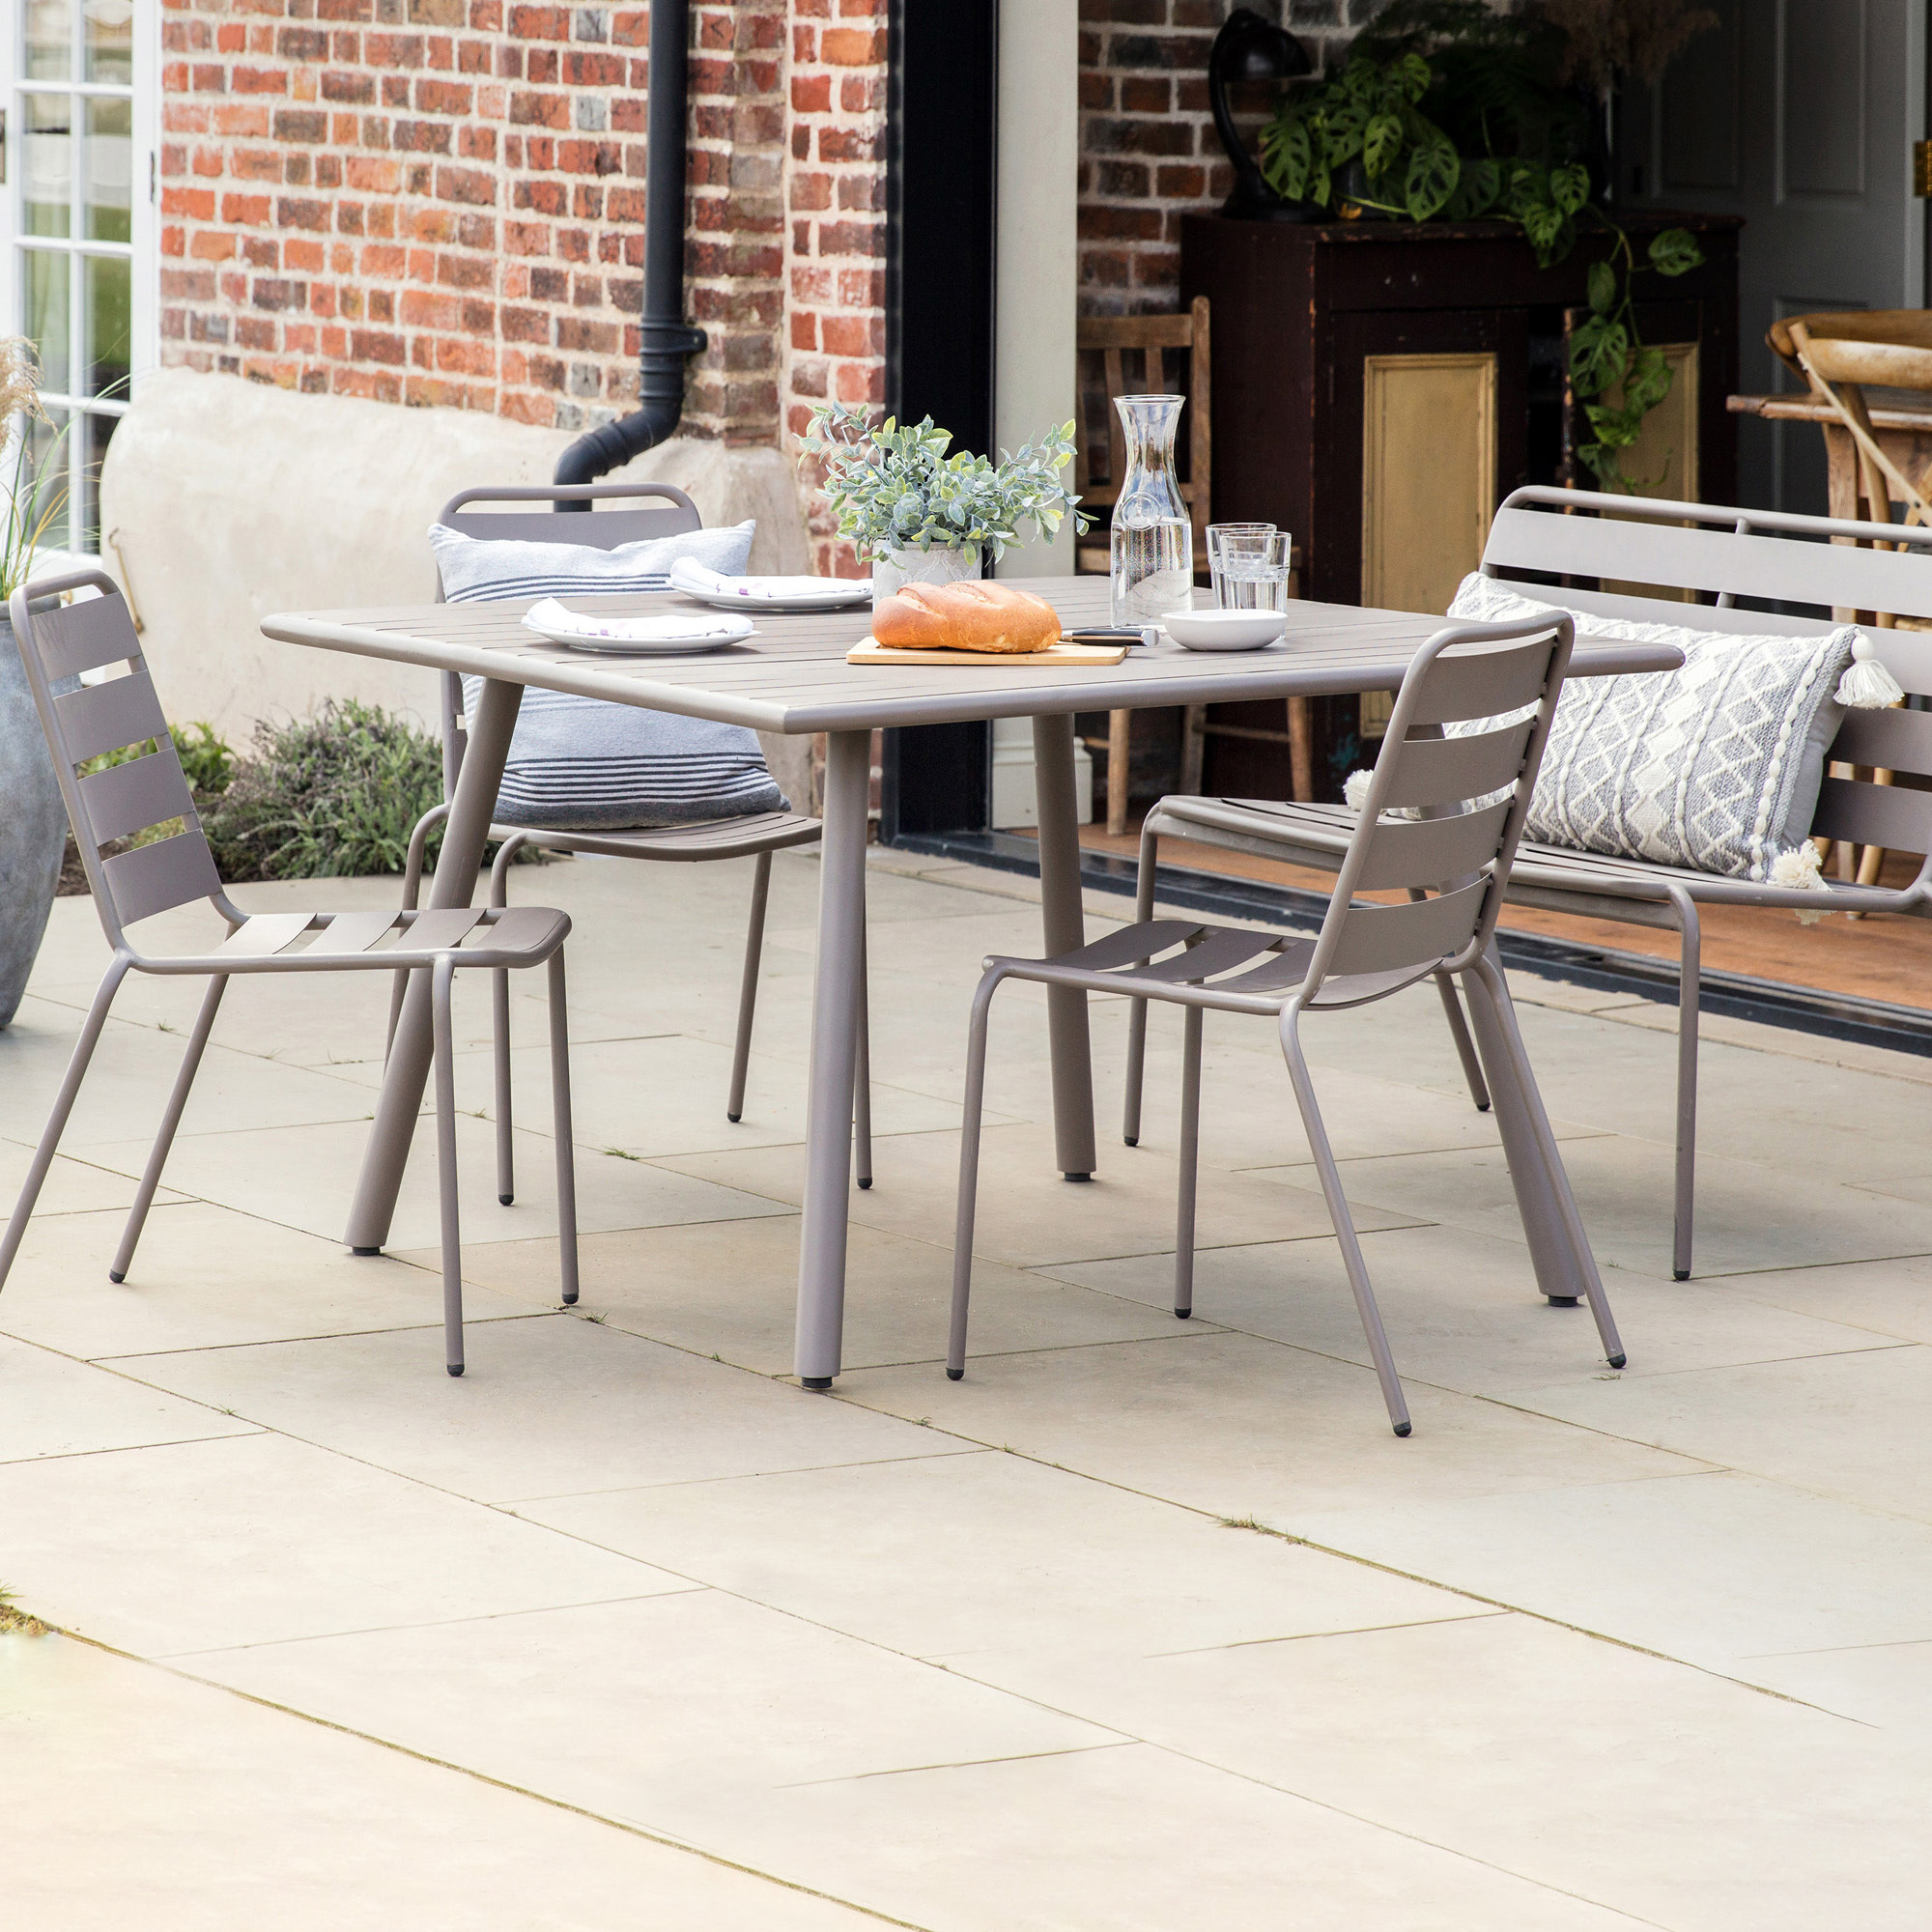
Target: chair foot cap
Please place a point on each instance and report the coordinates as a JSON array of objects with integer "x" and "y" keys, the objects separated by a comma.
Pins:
[
  {"x": 113, "y": 1276},
  {"x": 455, "y": 1368},
  {"x": 1076, "y": 1177},
  {"x": 365, "y": 1251},
  {"x": 1561, "y": 1301},
  {"x": 1183, "y": 1314},
  {"x": 815, "y": 1382},
  {"x": 504, "y": 1199},
  {"x": 954, "y": 1375},
  {"x": 570, "y": 1295},
  {"x": 734, "y": 1119},
  {"x": 1133, "y": 1139},
  {"x": 867, "y": 1182},
  {"x": 1619, "y": 1361},
  {"x": 1403, "y": 1428},
  {"x": 1482, "y": 1106},
  {"x": 1680, "y": 1274}
]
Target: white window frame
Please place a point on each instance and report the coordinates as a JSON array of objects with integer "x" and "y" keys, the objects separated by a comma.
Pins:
[{"x": 142, "y": 250}]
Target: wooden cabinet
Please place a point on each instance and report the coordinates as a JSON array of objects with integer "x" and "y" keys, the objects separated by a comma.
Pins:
[{"x": 1378, "y": 389}]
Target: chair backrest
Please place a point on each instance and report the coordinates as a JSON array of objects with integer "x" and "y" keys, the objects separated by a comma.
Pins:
[
  {"x": 1772, "y": 556},
  {"x": 1126, "y": 355},
  {"x": 1463, "y": 801},
  {"x": 59, "y": 644},
  {"x": 670, "y": 515}
]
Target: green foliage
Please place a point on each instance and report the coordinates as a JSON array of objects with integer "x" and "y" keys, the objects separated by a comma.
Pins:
[
  {"x": 1496, "y": 88},
  {"x": 325, "y": 796},
  {"x": 896, "y": 488}
]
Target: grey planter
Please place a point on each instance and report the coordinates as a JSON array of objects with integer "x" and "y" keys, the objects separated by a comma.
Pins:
[{"x": 33, "y": 828}]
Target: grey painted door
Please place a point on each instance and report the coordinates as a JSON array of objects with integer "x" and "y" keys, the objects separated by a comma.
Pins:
[{"x": 1799, "y": 115}]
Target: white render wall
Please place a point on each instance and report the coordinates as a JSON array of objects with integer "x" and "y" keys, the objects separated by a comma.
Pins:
[{"x": 224, "y": 501}]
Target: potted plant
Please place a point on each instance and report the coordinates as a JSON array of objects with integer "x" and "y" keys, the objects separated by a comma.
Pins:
[
  {"x": 33, "y": 821},
  {"x": 920, "y": 515}
]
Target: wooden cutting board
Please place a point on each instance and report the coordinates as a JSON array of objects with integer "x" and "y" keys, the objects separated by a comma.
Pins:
[{"x": 1062, "y": 657}]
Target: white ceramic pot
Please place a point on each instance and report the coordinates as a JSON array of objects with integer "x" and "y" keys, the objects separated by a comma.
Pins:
[{"x": 896, "y": 567}]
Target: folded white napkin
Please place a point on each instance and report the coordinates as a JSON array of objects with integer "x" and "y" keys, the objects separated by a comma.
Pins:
[
  {"x": 551, "y": 617},
  {"x": 702, "y": 580}
]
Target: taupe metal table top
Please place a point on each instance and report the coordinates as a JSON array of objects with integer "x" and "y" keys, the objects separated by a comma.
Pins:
[{"x": 792, "y": 674}]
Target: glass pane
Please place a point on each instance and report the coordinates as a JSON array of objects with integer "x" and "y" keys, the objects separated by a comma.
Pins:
[
  {"x": 46, "y": 193},
  {"x": 85, "y": 520},
  {"x": 46, "y": 276},
  {"x": 109, "y": 26},
  {"x": 49, "y": 37},
  {"x": 110, "y": 319},
  {"x": 107, "y": 214},
  {"x": 44, "y": 482}
]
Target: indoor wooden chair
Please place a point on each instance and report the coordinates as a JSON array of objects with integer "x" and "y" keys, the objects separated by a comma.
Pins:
[
  {"x": 1461, "y": 801},
  {"x": 1120, "y": 355},
  {"x": 655, "y": 510},
  {"x": 59, "y": 644}
]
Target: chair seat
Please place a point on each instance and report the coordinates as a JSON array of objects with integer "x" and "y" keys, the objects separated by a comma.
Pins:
[
  {"x": 295, "y": 942},
  {"x": 1321, "y": 832},
  {"x": 714, "y": 839}
]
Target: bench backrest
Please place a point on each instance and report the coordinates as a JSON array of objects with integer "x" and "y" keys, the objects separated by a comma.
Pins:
[{"x": 1773, "y": 556}]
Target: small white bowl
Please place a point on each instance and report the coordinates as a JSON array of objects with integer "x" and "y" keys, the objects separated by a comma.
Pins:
[{"x": 1224, "y": 629}]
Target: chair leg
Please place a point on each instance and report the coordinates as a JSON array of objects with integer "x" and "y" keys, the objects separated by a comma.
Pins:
[
  {"x": 560, "y": 1126},
  {"x": 499, "y": 1030},
  {"x": 969, "y": 1173},
  {"x": 57, "y": 1117},
  {"x": 1190, "y": 1165},
  {"x": 1689, "y": 985},
  {"x": 441, "y": 975},
  {"x": 1344, "y": 1222},
  {"x": 164, "y": 1138},
  {"x": 861, "y": 1078},
  {"x": 1497, "y": 988},
  {"x": 1465, "y": 1047},
  {"x": 412, "y": 871},
  {"x": 1137, "y": 1010},
  {"x": 748, "y": 987}
]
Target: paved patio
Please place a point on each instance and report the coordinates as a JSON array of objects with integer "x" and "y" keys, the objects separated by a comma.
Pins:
[{"x": 1143, "y": 1625}]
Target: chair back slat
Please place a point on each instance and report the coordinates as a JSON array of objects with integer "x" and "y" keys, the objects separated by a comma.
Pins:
[
  {"x": 1901, "y": 741},
  {"x": 75, "y": 637},
  {"x": 158, "y": 877},
  {"x": 601, "y": 529},
  {"x": 107, "y": 717},
  {"x": 123, "y": 800},
  {"x": 1432, "y": 851},
  {"x": 1891, "y": 816},
  {"x": 1374, "y": 939},
  {"x": 1433, "y": 773},
  {"x": 1457, "y": 846}
]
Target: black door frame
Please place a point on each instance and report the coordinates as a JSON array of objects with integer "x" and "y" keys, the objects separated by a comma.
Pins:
[{"x": 942, "y": 159}]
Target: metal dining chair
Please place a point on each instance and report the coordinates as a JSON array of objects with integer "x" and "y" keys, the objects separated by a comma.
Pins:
[
  {"x": 59, "y": 645},
  {"x": 758, "y": 835},
  {"x": 1440, "y": 822}
]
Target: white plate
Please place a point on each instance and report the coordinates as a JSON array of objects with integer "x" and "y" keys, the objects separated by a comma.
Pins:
[
  {"x": 672, "y": 635},
  {"x": 785, "y": 593},
  {"x": 1224, "y": 629}
]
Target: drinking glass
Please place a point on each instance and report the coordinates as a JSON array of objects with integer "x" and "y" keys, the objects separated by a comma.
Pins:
[
  {"x": 1215, "y": 532},
  {"x": 1254, "y": 572}
]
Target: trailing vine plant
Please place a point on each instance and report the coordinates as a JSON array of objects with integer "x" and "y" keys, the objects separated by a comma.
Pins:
[{"x": 1360, "y": 144}]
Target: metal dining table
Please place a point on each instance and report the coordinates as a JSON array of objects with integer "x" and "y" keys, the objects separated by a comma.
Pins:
[{"x": 791, "y": 676}]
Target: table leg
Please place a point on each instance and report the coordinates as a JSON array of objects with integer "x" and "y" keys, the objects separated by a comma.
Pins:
[
  {"x": 1560, "y": 1272},
  {"x": 1064, "y": 925},
  {"x": 835, "y": 1013},
  {"x": 464, "y": 837}
]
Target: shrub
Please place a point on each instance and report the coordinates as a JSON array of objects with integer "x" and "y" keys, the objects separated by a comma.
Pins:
[{"x": 335, "y": 793}]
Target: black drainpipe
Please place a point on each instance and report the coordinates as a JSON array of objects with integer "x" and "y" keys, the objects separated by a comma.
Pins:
[{"x": 668, "y": 339}]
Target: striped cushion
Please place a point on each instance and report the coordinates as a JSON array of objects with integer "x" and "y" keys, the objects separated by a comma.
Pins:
[{"x": 581, "y": 764}]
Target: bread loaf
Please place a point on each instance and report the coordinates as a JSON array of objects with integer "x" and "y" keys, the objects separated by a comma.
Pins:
[{"x": 974, "y": 615}]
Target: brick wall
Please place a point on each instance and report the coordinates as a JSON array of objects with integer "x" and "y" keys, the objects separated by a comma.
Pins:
[
  {"x": 441, "y": 202},
  {"x": 834, "y": 346},
  {"x": 1149, "y": 153}
]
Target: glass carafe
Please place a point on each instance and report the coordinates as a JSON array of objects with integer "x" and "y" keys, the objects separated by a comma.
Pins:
[{"x": 1152, "y": 541}]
